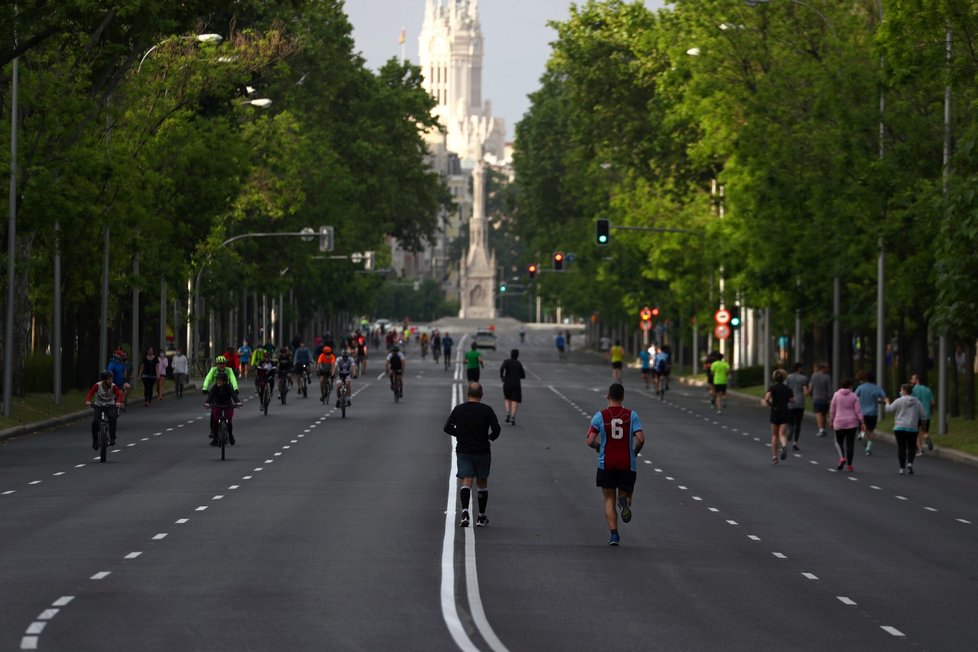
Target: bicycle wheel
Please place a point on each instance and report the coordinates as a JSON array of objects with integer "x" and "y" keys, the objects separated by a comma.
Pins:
[
  {"x": 282, "y": 390},
  {"x": 222, "y": 436},
  {"x": 265, "y": 400},
  {"x": 397, "y": 393},
  {"x": 103, "y": 439}
]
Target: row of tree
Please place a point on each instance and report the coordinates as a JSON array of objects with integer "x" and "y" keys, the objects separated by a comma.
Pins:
[
  {"x": 136, "y": 129},
  {"x": 823, "y": 123}
]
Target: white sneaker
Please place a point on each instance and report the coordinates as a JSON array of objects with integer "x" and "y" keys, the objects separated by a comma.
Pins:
[{"x": 861, "y": 435}]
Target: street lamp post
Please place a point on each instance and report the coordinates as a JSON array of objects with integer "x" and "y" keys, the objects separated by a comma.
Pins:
[{"x": 8, "y": 341}]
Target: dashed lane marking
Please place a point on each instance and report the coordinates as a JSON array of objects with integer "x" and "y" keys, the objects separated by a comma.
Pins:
[{"x": 844, "y": 600}]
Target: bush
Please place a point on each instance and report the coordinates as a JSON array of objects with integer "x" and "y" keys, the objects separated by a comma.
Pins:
[
  {"x": 40, "y": 373},
  {"x": 748, "y": 376}
]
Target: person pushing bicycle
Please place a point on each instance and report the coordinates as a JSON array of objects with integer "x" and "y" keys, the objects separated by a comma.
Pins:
[
  {"x": 222, "y": 398},
  {"x": 108, "y": 398}
]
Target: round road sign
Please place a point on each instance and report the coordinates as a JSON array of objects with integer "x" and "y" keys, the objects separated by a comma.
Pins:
[{"x": 722, "y": 331}]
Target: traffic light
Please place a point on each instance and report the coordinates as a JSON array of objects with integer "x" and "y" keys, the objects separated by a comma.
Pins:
[
  {"x": 532, "y": 270},
  {"x": 502, "y": 287},
  {"x": 645, "y": 314},
  {"x": 602, "y": 234},
  {"x": 325, "y": 238},
  {"x": 558, "y": 261},
  {"x": 735, "y": 317},
  {"x": 655, "y": 311}
]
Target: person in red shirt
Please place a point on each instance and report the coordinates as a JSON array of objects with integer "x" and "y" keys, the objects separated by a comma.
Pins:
[
  {"x": 107, "y": 397},
  {"x": 616, "y": 433},
  {"x": 324, "y": 369}
]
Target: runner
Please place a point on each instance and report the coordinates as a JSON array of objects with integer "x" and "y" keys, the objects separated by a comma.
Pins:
[{"x": 721, "y": 370}]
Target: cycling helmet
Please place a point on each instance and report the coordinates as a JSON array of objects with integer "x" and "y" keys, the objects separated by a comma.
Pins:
[
  {"x": 396, "y": 348},
  {"x": 118, "y": 353},
  {"x": 105, "y": 375},
  {"x": 327, "y": 350},
  {"x": 221, "y": 360},
  {"x": 221, "y": 376}
]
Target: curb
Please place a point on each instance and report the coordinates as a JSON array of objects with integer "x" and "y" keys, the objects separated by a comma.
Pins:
[
  {"x": 941, "y": 452},
  {"x": 55, "y": 422}
]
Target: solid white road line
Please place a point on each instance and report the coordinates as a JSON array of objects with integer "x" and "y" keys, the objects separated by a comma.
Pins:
[{"x": 892, "y": 630}]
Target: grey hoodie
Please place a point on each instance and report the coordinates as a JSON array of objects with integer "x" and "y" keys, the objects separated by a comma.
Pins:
[{"x": 908, "y": 413}]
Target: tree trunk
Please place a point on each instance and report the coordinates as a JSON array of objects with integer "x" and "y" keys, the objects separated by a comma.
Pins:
[{"x": 968, "y": 400}]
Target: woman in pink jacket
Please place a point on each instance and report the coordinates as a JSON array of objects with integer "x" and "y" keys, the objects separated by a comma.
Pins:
[{"x": 845, "y": 417}]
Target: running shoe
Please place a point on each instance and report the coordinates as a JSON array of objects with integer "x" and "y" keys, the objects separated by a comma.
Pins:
[
  {"x": 910, "y": 469},
  {"x": 930, "y": 444},
  {"x": 614, "y": 540},
  {"x": 112, "y": 441},
  {"x": 784, "y": 453},
  {"x": 464, "y": 521},
  {"x": 94, "y": 444},
  {"x": 900, "y": 471},
  {"x": 231, "y": 439},
  {"x": 821, "y": 433},
  {"x": 861, "y": 435},
  {"x": 513, "y": 421},
  {"x": 842, "y": 463},
  {"x": 849, "y": 469},
  {"x": 626, "y": 511},
  {"x": 795, "y": 447},
  {"x": 507, "y": 418},
  {"x": 482, "y": 521}
]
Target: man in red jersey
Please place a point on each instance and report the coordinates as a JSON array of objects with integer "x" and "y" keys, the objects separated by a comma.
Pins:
[{"x": 616, "y": 433}]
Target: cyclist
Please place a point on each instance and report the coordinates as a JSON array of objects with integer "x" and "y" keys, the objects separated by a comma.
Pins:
[
  {"x": 324, "y": 369},
  {"x": 424, "y": 345},
  {"x": 361, "y": 354},
  {"x": 107, "y": 395},
  {"x": 395, "y": 367},
  {"x": 258, "y": 356},
  {"x": 264, "y": 375},
  {"x": 221, "y": 366},
  {"x": 222, "y": 399},
  {"x": 121, "y": 373},
  {"x": 342, "y": 371},
  {"x": 284, "y": 369},
  {"x": 302, "y": 360},
  {"x": 660, "y": 371}
]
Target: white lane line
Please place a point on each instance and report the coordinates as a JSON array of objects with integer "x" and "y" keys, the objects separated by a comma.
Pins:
[
  {"x": 873, "y": 486},
  {"x": 63, "y": 601},
  {"x": 259, "y": 468},
  {"x": 269, "y": 461},
  {"x": 144, "y": 439},
  {"x": 844, "y": 600},
  {"x": 779, "y": 555},
  {"x": 28, "y": 643},
  {"x": 159, "y": 537},
  {"x": 132, "y": 555},
  {"x": 278, "y": 454},
  {"x": 101, "y": 575},
  {"x": 7, "y": 493},
  {"x": 961, "y": 520},
  {"x": 682, "y": 487},
  {"x": 753, "y": 537},
  {"x": 218, "y": 497},
  {"x": 130, "y": 445},
  {"x": 713, "y": 509},
  {"x": 697, "y": 498},
  {"x": 892, "y": 630},
  {"x": 36, "y": 627},
  {"x": 78, "y": 466},
  {"x": 201, "y": 508},
  {"x": 810, "y": 576},
  {"x": 48, "y": 614},
  {"x": 36, "y": 482},
  {"x": 732, "y": 522},
  {"x": 233, "y": 487},
  {"x": 900, "y": 497},
  {"x": 930, "y": 509},
  {"x": 181, "y": 521},
  {"x": 647, "y": 461},
  {"x": 285, "y": 448},
  {"x": 812, "y": 462},
  {"x": 58, "y": 473},
  {"x": 246, "y": 477},
  {"x": 658, "y": 470},
  {"x": 670, "y": 478}
]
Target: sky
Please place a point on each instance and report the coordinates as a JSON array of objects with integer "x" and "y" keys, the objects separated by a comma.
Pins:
[{"x": 517, "y": 43}]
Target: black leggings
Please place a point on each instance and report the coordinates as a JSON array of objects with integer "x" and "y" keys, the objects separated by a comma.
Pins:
[
  {"x": 847, "y": 436},
  {"x": 906, "y": 446},
  {"x": 148, "y": 385},
  {"x": 795, "y": 417}
]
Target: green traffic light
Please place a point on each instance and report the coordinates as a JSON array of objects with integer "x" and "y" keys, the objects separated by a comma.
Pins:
[
  {"x": 602, "y": 239},
  {"x": 502, "y": 288}
]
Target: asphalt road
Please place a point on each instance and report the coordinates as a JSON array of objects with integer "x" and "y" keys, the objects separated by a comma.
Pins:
[{"x": 322, "y": 533}]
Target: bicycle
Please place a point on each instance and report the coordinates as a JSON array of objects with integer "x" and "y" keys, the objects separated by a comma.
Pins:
[
  {"x": 302, "y": 380},
  {"x": 283, "y": 387},
  {"x": 264, "y": 395},
  {"x": 325, "y": 386},
  {"x": 341, "y": 397},
  {"x": 103, "y": 431},
  {"x": 397, "y": 385},
  {"x": 223, "y": 436}
]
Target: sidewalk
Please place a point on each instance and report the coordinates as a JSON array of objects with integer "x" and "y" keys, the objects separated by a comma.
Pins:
[
  {"x": 57, "y": 422},
  {"x": 878, "y": 435}
]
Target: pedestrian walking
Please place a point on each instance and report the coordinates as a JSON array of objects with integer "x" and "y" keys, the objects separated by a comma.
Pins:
[
  {"x": 616, "y": 434},
  {"x": 473, "y": 363},
  {"x": 797, "y": 382},
  {"x": 908, "y": 414},
  {"x": 617, "y": 357},
  {"x": 180, "y": 368},
  {"x": 845, "y": 417},
  {"x": 512, "y": 373},
  {"x": 779, "y": 397},
  {"x": 561, "y": 346},
  {"x": 820, "y": 387},
  {"x": 161, "y": 365},
  {"x": 926, "y": 397},
  {"x": 870, "y": 396},
  {"x": 148, "y": 374},
  {"x": 474, "y": 425},
  {"x": 721, "y": 372},
  {"x": 567, "y": 336}
]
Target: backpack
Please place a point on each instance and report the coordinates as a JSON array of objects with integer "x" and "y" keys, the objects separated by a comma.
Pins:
[{"x": 396, "y": 362}]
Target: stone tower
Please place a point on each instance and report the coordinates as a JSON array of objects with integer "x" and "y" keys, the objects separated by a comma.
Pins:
[{"x": 450, "y": 55}]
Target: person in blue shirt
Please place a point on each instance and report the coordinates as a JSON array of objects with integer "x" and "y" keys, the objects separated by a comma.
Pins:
[
  {"x": 922, "y": 393},
  {"x": 646, "y": 360},
  {"x": 660, "y": 371},
  {"x": 870, "y": 396},
  {"x": 446, "y": 346},
  {"x": 121, "y": 373}
]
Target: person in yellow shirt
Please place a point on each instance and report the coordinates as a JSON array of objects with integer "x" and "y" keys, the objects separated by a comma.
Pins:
[
  {"x": 617, "y": 355},
  {"x": 721, "y": 372}
]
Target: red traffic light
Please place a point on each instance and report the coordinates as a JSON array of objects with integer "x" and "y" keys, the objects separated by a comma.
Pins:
[
  {"x": 558, "y": 261},
  {"x": 558, "y": 256},
  {"x": 655, "y": 312},
  {"x": 532, "y": 270},
  {"x": 645, "y": 314}
]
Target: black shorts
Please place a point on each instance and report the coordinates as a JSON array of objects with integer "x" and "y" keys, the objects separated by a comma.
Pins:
[
  {"x": 720, "y": 389},
  {"x": 870, "y": 421},
  {"x": 646, "y": 371},
  {"x": 472, "y": 375},
  {"x": 513, "y": 392},
  {"x": 780, "y": 417},
  {"x": 924, "y": 425},
  {"x": 616, "y": 479},
  {"x": 616, "y": 365}
]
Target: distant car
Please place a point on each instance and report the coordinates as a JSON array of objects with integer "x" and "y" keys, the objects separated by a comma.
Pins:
[{"x": 485, "y": 339}]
